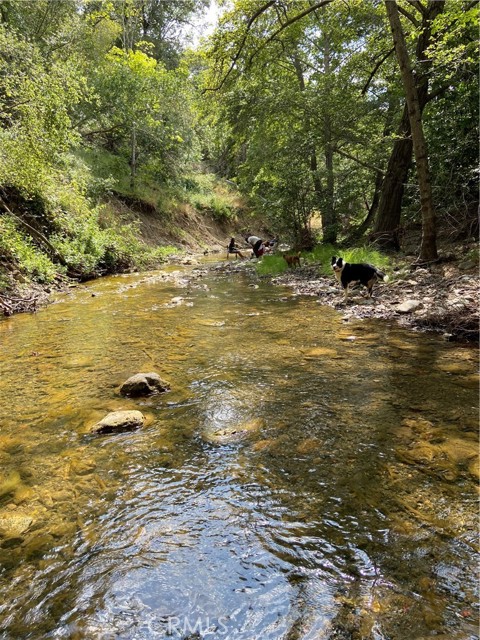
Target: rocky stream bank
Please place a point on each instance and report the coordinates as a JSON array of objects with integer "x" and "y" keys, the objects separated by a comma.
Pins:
[{"x": 441, "y": 297}]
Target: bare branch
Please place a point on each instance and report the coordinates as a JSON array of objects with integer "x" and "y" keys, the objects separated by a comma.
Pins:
[
  {"x": 375, "y": 69},
  {"x": 418, "y": 6},
  {"x": 408, "y": 15}
]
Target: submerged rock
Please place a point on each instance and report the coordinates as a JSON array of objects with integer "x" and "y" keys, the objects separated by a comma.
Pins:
[
  {"x": 119, "y": 421},
  {"x": 13, "y": 525},
  {"x": 233, "y": 433},
  {"x": 143, "y": 384}
]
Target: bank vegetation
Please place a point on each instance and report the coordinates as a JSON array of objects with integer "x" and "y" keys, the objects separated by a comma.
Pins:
[{"x": 345, "y": 122}]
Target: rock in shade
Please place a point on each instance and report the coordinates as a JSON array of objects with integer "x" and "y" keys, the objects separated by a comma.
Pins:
[
  {"x": 119, "y": 421},
  {"x": 143, "y": 384},
  {"x": 409, "y": 306}
]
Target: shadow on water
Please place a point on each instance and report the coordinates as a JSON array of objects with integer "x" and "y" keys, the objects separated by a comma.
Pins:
[{"x": 304, "y": 479}]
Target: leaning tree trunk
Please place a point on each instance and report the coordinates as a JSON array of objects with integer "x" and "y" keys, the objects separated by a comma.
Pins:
[
  {"x": 133, "y": 158},
  {"x": 428, "y": 249},
  {"x": 387, "y": 222},
  {"x": 329, "y": 217},
  {"x": 385, "y": 231}
]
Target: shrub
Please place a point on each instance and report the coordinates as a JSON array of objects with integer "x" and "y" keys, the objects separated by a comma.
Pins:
[{"x": 20, "y": 249}]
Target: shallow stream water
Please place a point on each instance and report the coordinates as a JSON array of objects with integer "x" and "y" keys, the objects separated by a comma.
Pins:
[{"x": 305, "y": 477}]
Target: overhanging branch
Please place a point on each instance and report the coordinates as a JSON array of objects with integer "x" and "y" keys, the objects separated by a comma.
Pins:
[
  {"x": 250, "y": 22},
  {"x": 286, "y": 24},
  {"x": 375, "y": 69}
]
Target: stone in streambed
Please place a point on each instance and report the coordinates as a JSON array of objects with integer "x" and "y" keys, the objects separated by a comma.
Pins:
[
  {"x": 13, "y": 525},
  {"x": 143, "y": 384},
  {"x": 409, "y": 306},
  {"x": 233, "y": 433},
  {"x": 119, "y": 421}
]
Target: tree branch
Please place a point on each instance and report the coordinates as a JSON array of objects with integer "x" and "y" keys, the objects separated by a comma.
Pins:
[
  {"x": 360, "y": 162},
  {"x": 418, "y": 6},
  {"x": 286, "y": 24},
  {"x": 375, "y": 69},
  {"x": 250, "y": 22},
  {"x": 407, "y": 14},
  {"x": 89, "y": 134},
  {"x": 36, "y": 234}
]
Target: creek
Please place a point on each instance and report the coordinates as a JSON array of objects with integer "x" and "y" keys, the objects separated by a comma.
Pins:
[{"x": 305, "y": 477}]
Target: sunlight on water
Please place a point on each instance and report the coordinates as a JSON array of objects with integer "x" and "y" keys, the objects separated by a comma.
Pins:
[{"x": 304, "y": 478}]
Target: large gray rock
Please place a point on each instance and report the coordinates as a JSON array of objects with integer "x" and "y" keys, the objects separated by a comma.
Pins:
[
  {"x": 119, "y": 421},
  {"x": 143, "y": 384}
]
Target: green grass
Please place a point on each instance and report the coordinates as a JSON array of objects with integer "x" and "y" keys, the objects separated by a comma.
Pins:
[
  {"x": 322, "y": 255},
  {"x": 208, "y": 194},
  {"x": 271, "y": 265}
]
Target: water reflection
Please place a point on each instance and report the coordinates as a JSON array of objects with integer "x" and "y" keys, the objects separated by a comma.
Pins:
[{"x": 303, "y": 479}]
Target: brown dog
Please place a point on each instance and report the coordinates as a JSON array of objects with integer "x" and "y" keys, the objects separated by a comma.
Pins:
[{"x": 293, "y": 261}]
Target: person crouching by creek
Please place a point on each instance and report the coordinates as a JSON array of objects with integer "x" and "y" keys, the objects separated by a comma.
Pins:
[
  {"x": 233, "y": 248},
  {"x": 257, "y": 245}
]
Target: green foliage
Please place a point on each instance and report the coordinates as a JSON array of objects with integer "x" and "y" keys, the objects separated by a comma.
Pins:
[
  {"x": 305, "y": 117},
  {"x": 357, "y": 254},
  {"x": 95, "y": 98},
  {"x": 36, "y": 99},
  {"x": 207, "y": 194},
  {"x": 17, "y": 248},
  {"x": 91, "y": 250},
  {"x": 322, "y": 255}
]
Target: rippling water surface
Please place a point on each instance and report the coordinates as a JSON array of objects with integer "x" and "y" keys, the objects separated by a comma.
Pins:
[{"x": 305, "y": 478}]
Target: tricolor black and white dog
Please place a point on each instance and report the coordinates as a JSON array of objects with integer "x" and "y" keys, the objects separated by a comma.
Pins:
[{"x": 363, "y": 273}]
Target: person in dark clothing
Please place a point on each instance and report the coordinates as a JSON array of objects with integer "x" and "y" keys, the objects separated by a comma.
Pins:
[
  {"x": 233, "y": 248},
  {"x": 259, "y": 249}
]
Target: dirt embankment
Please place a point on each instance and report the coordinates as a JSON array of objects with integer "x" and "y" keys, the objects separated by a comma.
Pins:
[{"x": 184, "y": 228}]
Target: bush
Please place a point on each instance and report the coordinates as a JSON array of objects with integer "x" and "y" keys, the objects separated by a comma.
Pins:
[
  {"x": 16, "y": 247},
  {"x": 206, "y": 194}
]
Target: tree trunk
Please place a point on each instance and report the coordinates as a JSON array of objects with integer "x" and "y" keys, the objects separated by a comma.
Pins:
[
  {"x": 329, "y": 218},
  {"x": 362, "y": 228},
  {"x": 385, "y": 231},
  {"x": 133, "y": 159},
  {"x": 428, "y": 249},
  {"x": 317, "y": 183},
  {"x": 387, "y": 223}
]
